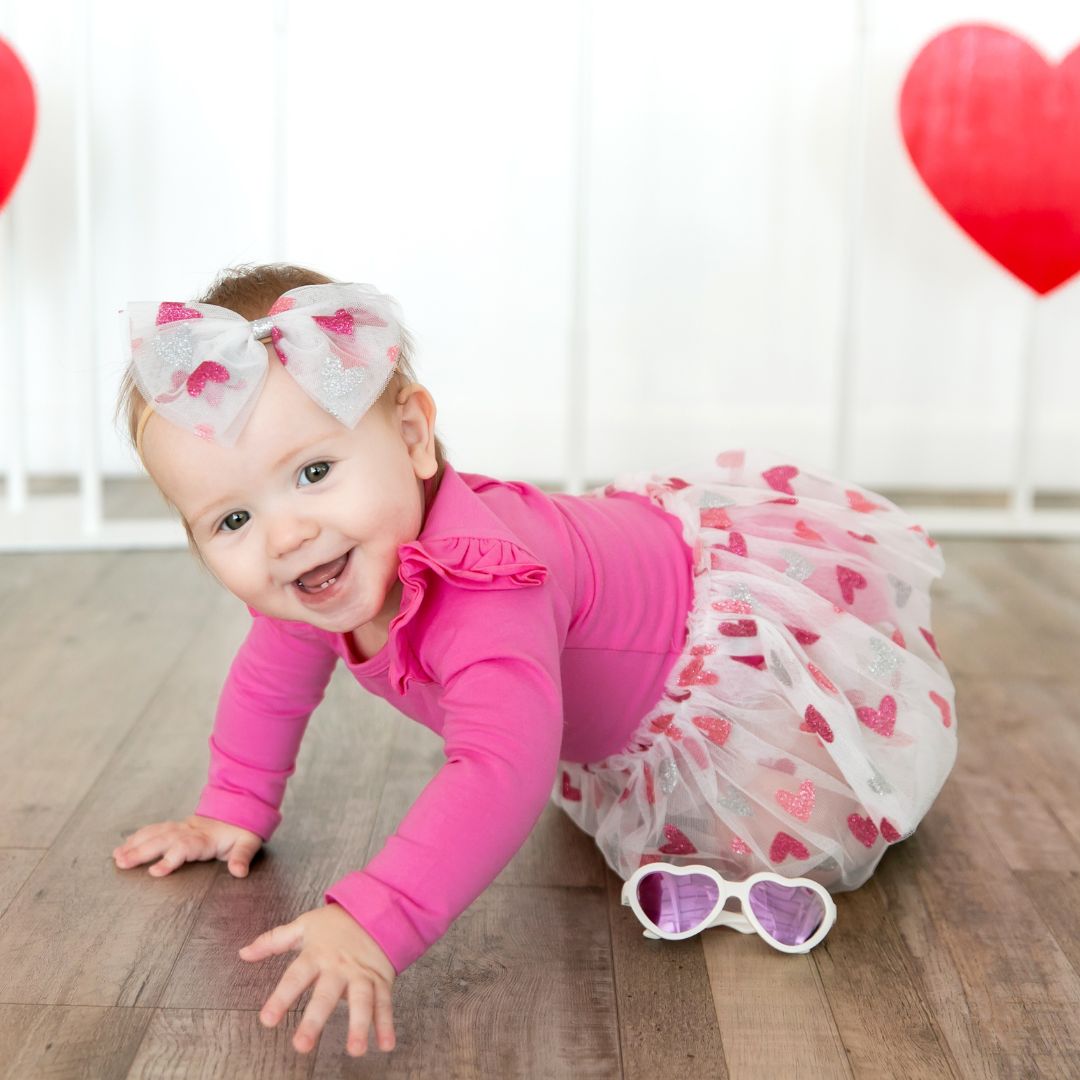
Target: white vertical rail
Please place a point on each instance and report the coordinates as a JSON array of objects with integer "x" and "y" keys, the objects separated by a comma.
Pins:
[
  {"x": 578, "y": 350},
  {"x": 843, "y": 428},
  {"x": 1022, "y": 493},
  {"x": 12, "y": 361},
  {"x": 86, "y": 364}
]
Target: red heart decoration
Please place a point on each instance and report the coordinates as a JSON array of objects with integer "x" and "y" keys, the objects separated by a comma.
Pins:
[
  {"x": 993, "y": 129},
  {"x": 863, "y": 829},
  {"x": 784, "y": 845},
  {"x": 716, "y": 728},
  {"x": 17, "y": 114},
  {"x": 882, "y": 719},
  {"x": 207, "y": 370},
  {"x": 849, "y": 580},
  {"x": 779, "y": 478},
  {"x": 568, "y": 790},
  {"x": 817, "y": 724},
  {"x": 678, "y": 843}
]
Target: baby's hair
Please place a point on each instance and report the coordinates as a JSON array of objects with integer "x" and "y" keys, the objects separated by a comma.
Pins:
[{"x": 250, "y": 291}]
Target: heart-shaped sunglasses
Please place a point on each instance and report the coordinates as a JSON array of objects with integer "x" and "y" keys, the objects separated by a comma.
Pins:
[{"x": 675, "y": 902}]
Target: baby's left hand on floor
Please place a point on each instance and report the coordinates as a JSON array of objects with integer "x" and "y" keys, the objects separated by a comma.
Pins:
[{"x": 344, "y": 960}]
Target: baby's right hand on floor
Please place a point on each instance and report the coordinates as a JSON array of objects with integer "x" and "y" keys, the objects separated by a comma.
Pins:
[{"x": 194, "y": 839}]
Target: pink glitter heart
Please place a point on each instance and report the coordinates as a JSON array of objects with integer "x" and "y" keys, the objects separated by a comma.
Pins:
[
  {"x": 694, "y": 674},
  {"x": 882, "y": 719},
  {"x": 715, "y": 517},
  {"x": 740, "y": 607},
  {"x": 779, "y": 478},
  {"x": 804, "y": 532},
  {"x": 341, "y": 322},
  {"x": 662, "y": 723},
  {"x": 732, "y": 459},
  {"x": 898, "y": 637},
  {"x": 678, "y": 843},
  {"x": 943, "y": 708},
  {"x": 393, "y": 353},
  {"x": 739, "y": 628},
  {"x": 784, "y": 765},
  {"x": 817, "y": 724},
  {"x": 170, "y": 311},
  {"x": 863, "y": 829},
  {"x": 858, "y": 502},
  {"x": 803, "y": 637},
  {"x": 784, "y": 845},
  {"x": 849, "y": 580},
  {"x": 736, "y": 544},
  {"x": 821, "y": 678},
  {"x": 800, "y": 805},
  {"x": 568, "y": 790},
  {"x": 887, "y": 830},
  {"x": 739, "y": 847},
  {"x": 715, "y": 728},
  {"x": 207, "y": 370},
  {"x": 282, "y": 303}
]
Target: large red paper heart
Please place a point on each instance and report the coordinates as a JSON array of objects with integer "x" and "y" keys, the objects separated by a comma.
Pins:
[
  {"x": 994, "y": 131},
  {"x": 16, "y": 119}
]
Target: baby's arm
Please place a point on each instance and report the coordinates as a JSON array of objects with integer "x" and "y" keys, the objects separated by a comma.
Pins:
[
  {"x": 275, "y": 682},
  {"x": 503, "y": 733}
]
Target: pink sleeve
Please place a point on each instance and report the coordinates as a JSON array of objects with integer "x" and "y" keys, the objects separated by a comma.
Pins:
[
  {"x": 496, "y": 654},
  {"x": 275, "y": 682}
]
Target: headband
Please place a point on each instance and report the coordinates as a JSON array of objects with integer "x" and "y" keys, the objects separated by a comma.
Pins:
[{"x": 202, "y": 367}]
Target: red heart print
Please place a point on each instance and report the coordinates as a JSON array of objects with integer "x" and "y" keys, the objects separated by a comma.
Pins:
[
  {"x": 650, "y": 790},
  {"x": 341, "y": 322},
  {"x": 804, "y": 532},
  {"x": 857, "y": 501},
  {"x": 784, "y": 845},
  {"x": 662, "y": 723},
  {"x": 568, "y": 790},
  {"x": 992, "y": 128},
  {"x": 750, "y": 661},
  {"x": 731, "y": 459},
  {"x": 882, "y": 719},
  {"x": 930, "y": 640},
  {"x": 867, "y": 537},
  {"x": 779, "y": 478},
  {"x": 849, "y": 580},
  {"x": 715, "y": 728},
  {"x": 208, "y": 370},
  {"x": 678, "y": 843},
  {"x": 739, "y": 628},
  {"x": 943, "y": 708},
  {"x": 803, "y": 637},
  {"x": 736, "y": 544},
  {"x": 863, "y": 829},
  {"x": 799, "y": 805},
  {"x": 930, "y": 541},
  {"x": 821, "y": 678},
  {"x": 816, "y": 723},
  {"x": 887, "y": 830},
  {"x": 170, "y": 311},
  {"x": 898, "y": 637},
  {"x": 785, "y": 500}
]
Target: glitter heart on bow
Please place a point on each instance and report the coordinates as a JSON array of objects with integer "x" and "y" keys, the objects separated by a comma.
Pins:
[{"x": 202, "y": 367}]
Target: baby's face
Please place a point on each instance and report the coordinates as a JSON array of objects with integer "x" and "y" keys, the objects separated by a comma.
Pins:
[{"x": 262, "y": 519}]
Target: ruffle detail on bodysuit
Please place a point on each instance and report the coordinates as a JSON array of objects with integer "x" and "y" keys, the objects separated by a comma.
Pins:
[{"x": 469, "y": 562}]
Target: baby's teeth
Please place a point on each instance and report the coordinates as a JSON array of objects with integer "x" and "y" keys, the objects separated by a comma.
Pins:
[{"x": 330, "y": 582}]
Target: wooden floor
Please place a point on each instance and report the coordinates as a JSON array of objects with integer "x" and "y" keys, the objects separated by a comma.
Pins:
[{"x": 961, "y": 957}]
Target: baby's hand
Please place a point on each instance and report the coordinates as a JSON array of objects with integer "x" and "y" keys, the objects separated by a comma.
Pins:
[
  {"x": 194, "y": 839},
  {"x": 343, "y": 960}
]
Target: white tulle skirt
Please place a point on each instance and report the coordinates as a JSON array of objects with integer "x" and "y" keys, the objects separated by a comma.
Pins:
[{"x": 810, "y": 721}]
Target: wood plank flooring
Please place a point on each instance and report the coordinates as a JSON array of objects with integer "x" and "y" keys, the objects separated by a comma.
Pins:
[{"x": 959, "y": 958}]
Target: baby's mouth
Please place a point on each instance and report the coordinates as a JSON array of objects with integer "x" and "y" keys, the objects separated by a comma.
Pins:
[{"x": 322, "y": 577}]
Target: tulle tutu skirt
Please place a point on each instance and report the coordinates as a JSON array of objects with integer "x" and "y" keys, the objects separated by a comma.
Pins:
[{"x": 809, "y": 722}]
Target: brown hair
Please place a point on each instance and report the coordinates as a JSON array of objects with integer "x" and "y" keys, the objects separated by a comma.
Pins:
[{"x": 250, "y": 291}]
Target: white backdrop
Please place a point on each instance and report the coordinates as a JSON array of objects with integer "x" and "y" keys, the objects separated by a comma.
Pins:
[{"x": 750, "y": 216}]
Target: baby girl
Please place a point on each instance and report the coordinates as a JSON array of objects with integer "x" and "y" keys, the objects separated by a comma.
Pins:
[{"x": 733, "y": 669}]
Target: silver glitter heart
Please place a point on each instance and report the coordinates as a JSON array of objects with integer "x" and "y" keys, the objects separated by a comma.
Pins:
[
  {"x": 886, "y": 660},
  {"x": 734, "y": 801},
  {"x": 878, "y": 782},
  {"x": 175, "y": 347},
  {"x": 742, "y": 594},
  {"x": 799, "y": 567},
  {"x": 714, "y": 498},
  {"x": 903, "y": 590},
  {"x": 828, "y": 863},
  {"x": 777, "y": 665},
  {"x": 667, "y": 776},
  {"x": 339, "y": 385}
]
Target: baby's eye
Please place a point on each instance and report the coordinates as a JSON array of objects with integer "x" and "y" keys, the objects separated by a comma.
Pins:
[
  {"x": 228, "y": 517},
  {"x": 325, "y": 465}
]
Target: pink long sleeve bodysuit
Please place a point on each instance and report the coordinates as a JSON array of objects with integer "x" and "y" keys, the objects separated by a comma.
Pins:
[{"x": 533, "y": 627}]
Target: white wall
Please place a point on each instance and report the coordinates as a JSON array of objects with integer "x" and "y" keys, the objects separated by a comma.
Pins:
[{"x": 430, "y": 149}]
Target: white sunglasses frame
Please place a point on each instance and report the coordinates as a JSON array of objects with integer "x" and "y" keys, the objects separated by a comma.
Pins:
[{"x": 745, "y": 921}]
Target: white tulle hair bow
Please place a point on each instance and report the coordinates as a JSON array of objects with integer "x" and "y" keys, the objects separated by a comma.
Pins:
[{"x": 202, "y": 367}]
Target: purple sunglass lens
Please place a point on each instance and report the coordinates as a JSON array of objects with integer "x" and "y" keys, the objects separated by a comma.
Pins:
[
  {"x": 790, "y": 914},
  {"x": 677, "y": 902}
]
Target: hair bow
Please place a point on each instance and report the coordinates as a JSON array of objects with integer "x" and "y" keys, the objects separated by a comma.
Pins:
[{"x": 202, "y": 367}]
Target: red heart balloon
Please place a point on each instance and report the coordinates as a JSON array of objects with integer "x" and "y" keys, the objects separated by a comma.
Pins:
[
  {"x": 16, "y": 119},
  {"x": 994, "y": 130}
]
